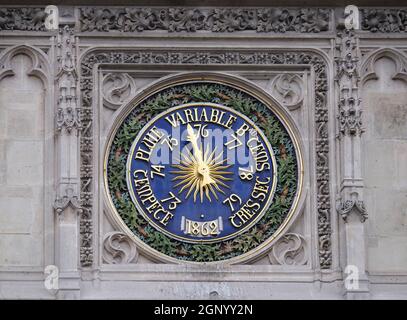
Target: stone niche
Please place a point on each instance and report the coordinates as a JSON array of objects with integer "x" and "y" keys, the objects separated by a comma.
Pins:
[
  {"x": 385, "y": 169},
  {"x": 21, "y": 166}
]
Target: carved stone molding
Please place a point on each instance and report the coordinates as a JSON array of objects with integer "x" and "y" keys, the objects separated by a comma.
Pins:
[
  {"x": 68, "y": 118},
  {"x": 68, "y": 114},
  {"x": 349, "y": 119},
  {"x": 312, "y": 58},
  {"x": 86, "y": 241},
  {"x": 28, "y": 19},
  {"x": 69, "y": 199},
  {"x": 39, "y": 62},
  {"x": 384, "y": 20},
  {"x": 118, "y": 248},
  {"x": 117, "y": 88},
  {"x": 133, "y": 19},
  {"x": 347, "y": 76},
  {"x": 368, "y": 68},
  {"x": 290, "y": 249},
  {"x": 288, "y": 89},
  {"x": 346, "y": 206}
]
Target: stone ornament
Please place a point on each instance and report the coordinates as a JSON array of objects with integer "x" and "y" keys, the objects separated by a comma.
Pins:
[
  {"x": 384, "y": 20},
  {"x": 288, "y": 89},
  {"x": 118, "y": 248},
  {"x": 133, "y": 19},
  {"x": 368, "y": 67},
  {"x": 118, "y": 88},
  {"x": 27, "y": 19},
  {"x": 290, "y": 249},
  {"x": 68, "y": 113},
  {"x": 347, "y": 77},
  {"x": 347, "y": 206},
  {"x": 69, "y": 199},
  {"x": 216, "y": 57},
  {"x": 67, "y": 118},
  {"x": 349, "y": 116},
  {"x": 178, "y": 19},
  {"x": 39, "y": 65}
]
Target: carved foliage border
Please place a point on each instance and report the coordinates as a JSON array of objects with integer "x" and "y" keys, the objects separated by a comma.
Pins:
[
  {"x": 177, "y": 19},
  {"x": 22, "y": 18},
  {"x": 205, "y": 57}
]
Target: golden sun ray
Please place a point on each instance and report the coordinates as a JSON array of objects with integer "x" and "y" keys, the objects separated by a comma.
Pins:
[{"x": 201, "y": 175}]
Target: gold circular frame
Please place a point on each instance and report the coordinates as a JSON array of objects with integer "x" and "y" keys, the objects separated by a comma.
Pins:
[
  {"x": 245, "y": 228},
  {"x": 210, "y": 77}
]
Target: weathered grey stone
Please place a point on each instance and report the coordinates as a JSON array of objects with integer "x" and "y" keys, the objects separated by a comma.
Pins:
[
  {"x": 22, "y": 167},
  {"x": 59, "y": 101}
]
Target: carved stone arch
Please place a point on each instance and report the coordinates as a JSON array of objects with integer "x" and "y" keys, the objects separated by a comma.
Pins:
[
  {"x": 39, "y": 62},
  {"x": 368, "y": 71}
]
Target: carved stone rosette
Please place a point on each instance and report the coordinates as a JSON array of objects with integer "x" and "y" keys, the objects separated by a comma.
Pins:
[
  {"x": 119, "y": 248},
  {"x": 290, "y": 249},
  {"x": 117, "y": 88},
  {"x": 213, "y": 57},
  {"x": 288, "y": 89}
]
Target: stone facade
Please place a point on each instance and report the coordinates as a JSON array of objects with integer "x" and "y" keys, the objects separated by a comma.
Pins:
[{"x": 339, "y": 76}]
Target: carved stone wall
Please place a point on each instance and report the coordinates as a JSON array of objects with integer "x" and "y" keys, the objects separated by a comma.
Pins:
[
  {"x": 384, "y": 93},
  {"x": 22, "y": 145},
  {"x": 342, "y": 87}
]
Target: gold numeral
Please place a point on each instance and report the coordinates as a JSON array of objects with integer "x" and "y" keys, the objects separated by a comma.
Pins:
[
  {"x": 171, "y": 142},
  {"x": 156, "y": 170},
  {"x": 173, "y": 204},
  {"x": 246, "y": 174},
  {"x": 231, "y": 199},
  {"x": 235, "y": 139},
  {"x": 204, "y": 229},
  {"x": 193, "y": 227},
  {"x": 202, "y": 131}
]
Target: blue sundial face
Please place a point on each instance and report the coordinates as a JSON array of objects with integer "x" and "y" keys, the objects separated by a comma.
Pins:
[{"x": 201, "y": 172}]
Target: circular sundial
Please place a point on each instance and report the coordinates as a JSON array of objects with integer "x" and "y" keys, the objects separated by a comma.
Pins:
[{"x": 202, "y": 171}]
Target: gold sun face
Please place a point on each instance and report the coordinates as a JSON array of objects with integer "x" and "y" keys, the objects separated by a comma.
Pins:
[{"x": 201, "y": 173}]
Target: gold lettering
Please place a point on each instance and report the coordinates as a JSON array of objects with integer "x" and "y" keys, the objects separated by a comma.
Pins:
[
  {"x": 260, "y": 189},
  {"x": 242, "y": 129},
  {"x": 174, "y": 123},
  {"x": 214, "y": 115},
  {"x": 145, "y": 193},
  {"x": 142, "y": 154},
  {"x": 188, "y": 115},
  {"x": 235, "y": 139},
  {"x": 180, "y": 118},
  {"x": 230, "y": 121},
  {"x": 153, "y": 206},
  {"x": 203, "y": 115},
  {"x": 166, "y": 218},
  {"x": 222, "y": 113},
  {"x": 232, "y": 221},
  {"x": 253, "y": 205},
  {"x": 263, "y": 166}
]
